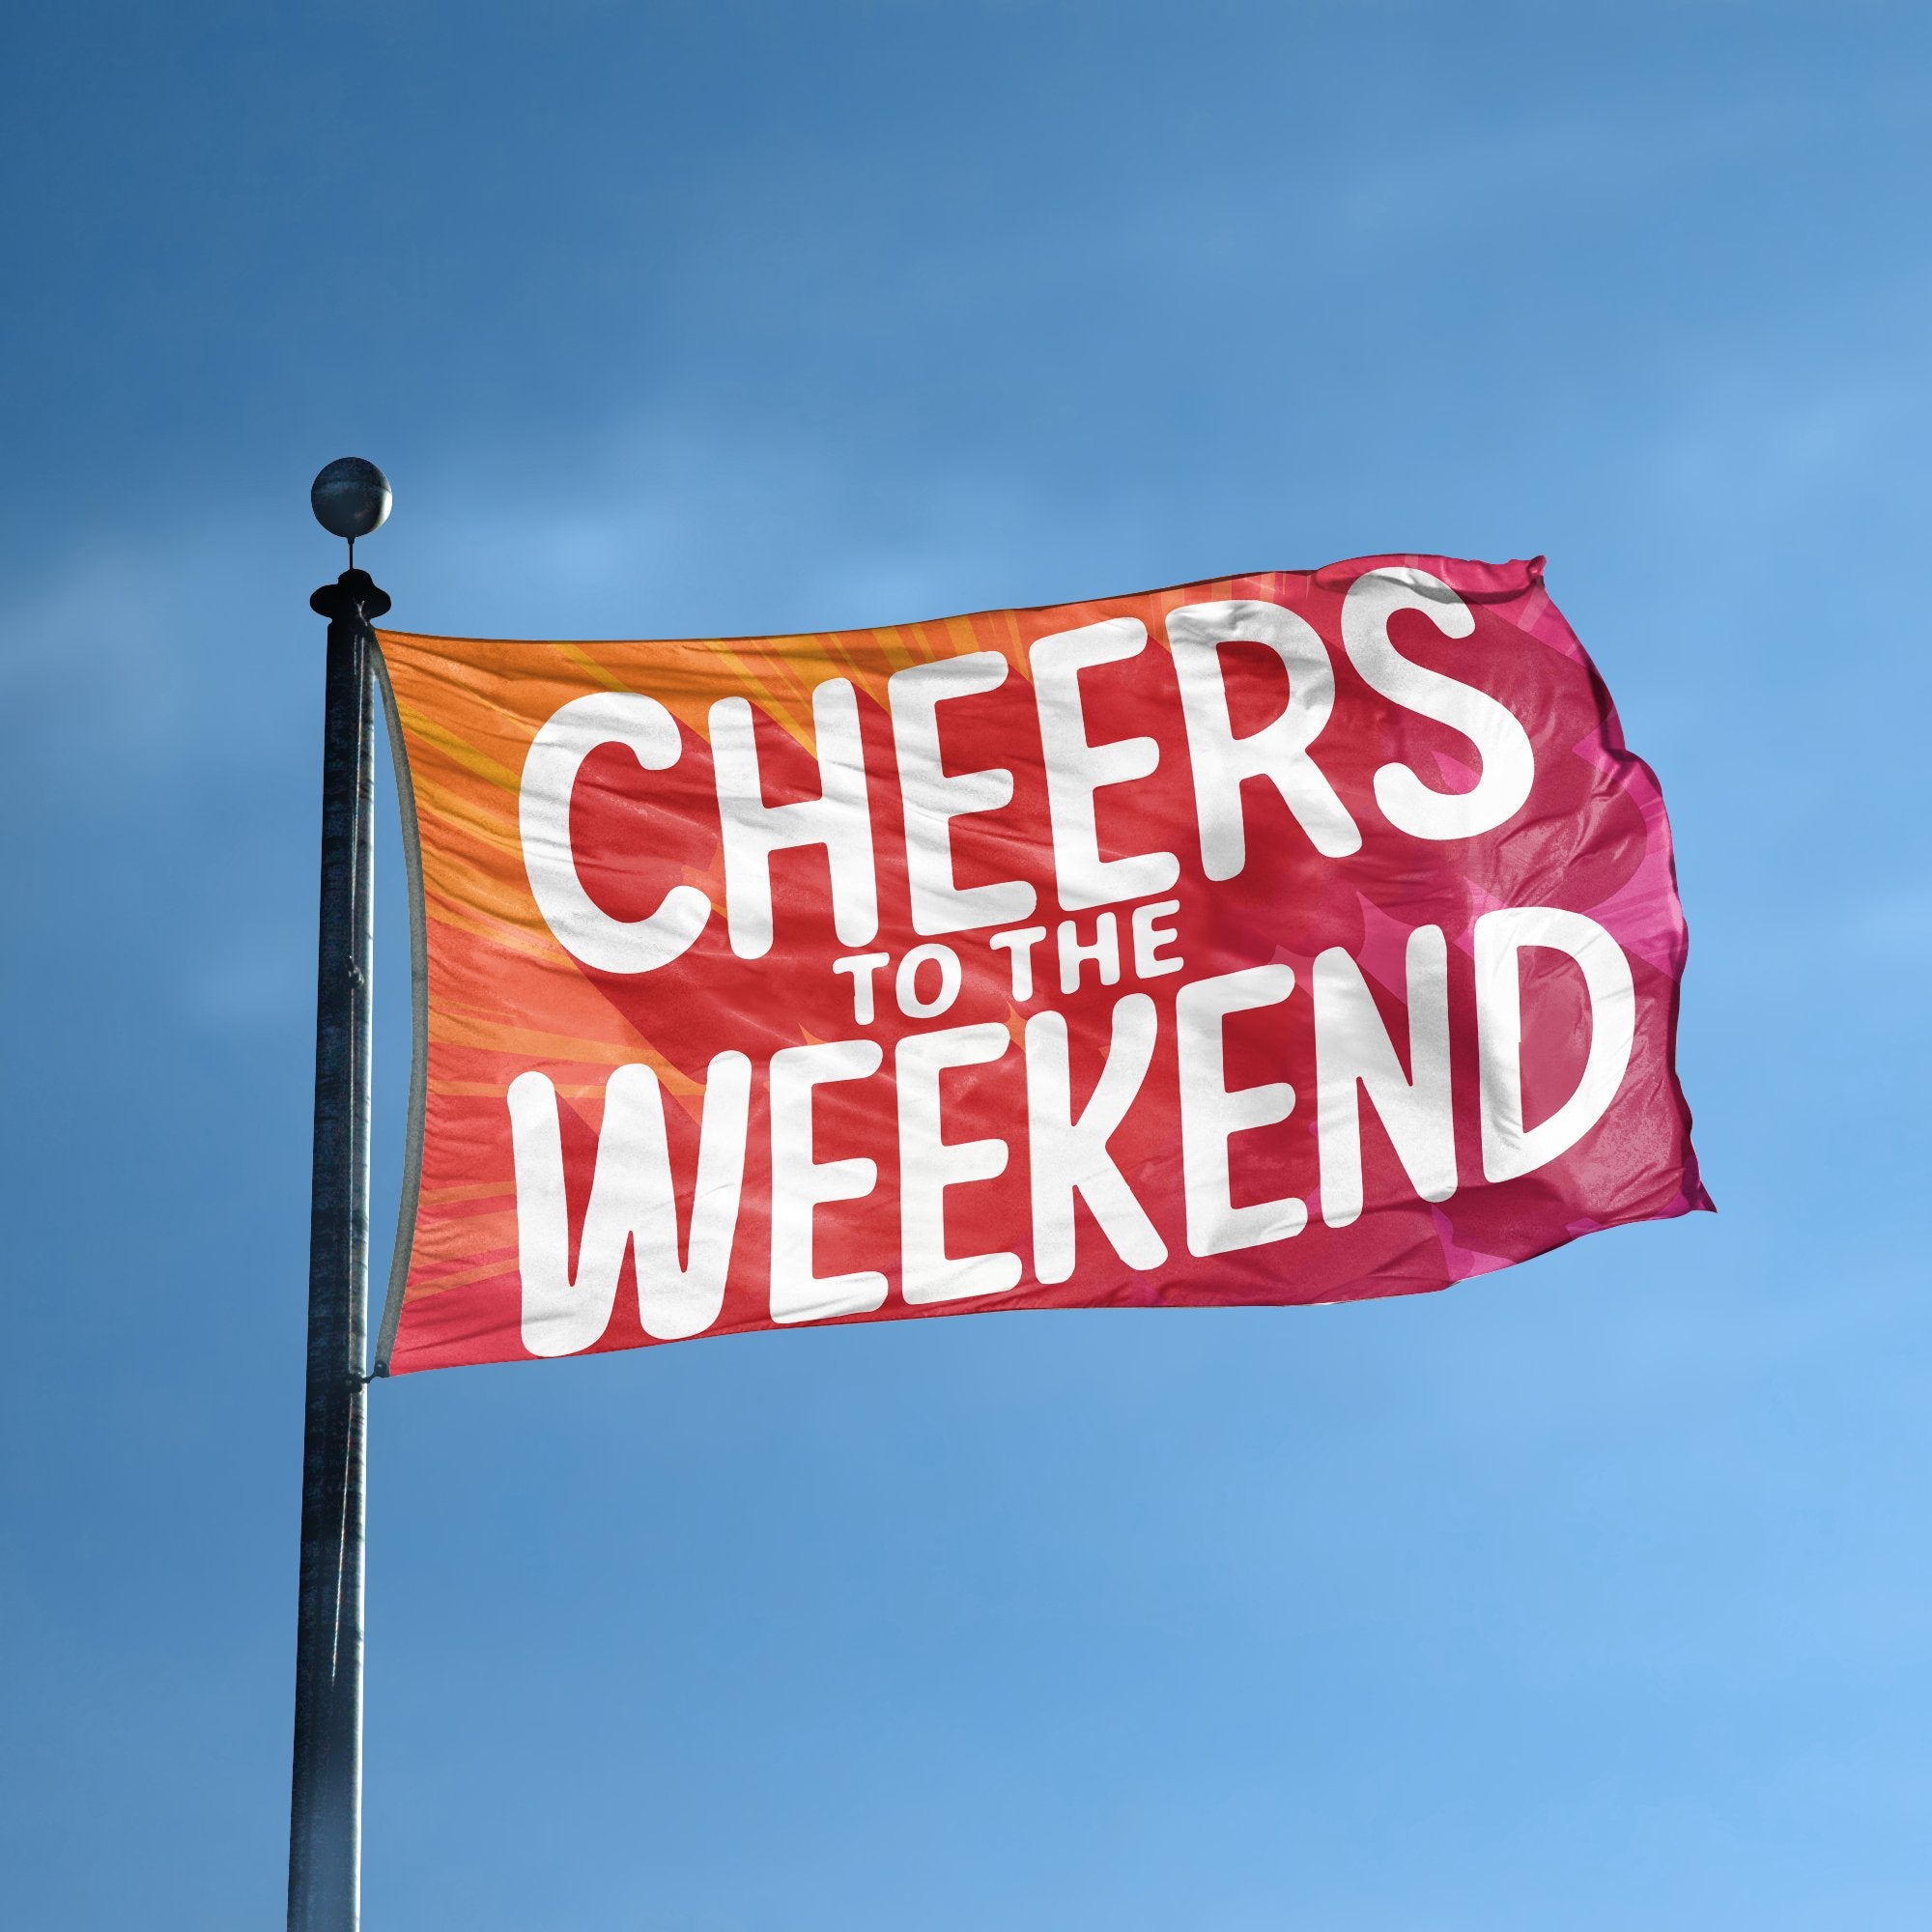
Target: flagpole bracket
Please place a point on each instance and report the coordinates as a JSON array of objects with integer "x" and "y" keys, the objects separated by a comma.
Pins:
[{"x": 353, "y": 598}]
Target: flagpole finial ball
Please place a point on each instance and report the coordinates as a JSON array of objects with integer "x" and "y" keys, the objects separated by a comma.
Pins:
[{"x": 350, "y": 497}]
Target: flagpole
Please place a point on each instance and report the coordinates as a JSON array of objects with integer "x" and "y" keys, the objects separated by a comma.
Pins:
[{"x": 351, "y": 498}]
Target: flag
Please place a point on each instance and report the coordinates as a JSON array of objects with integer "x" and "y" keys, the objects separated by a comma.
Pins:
[{"x": 1287, "y": 938}]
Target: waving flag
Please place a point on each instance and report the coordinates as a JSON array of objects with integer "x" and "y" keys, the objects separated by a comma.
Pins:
[{"x": 1297, "y": 937}]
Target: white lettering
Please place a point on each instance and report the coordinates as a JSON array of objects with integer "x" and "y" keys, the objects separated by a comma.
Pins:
[
  {"x": 1070, "y": 1156},
  {"x": 862, "y": 966},
  {"x": 583, "y": 927},
  {"x": 905, "y": 983},
  {"x": 800, "y": 1184},
  {"x": 1211, "y": 1116},
  {"x": 633, "y": 1204},
  {"x": 931, "y": 798},
  {"x": 1278, "y": 752},
  {"x": 837, "y": 819},
  {"x": 1020, "y": 945},
  {"x": 1509, "y": 1147},
  {"x": 1509, "y": 765},
  {"x": 929, "y": 1166},
  {"x": 1075, "y": 770},
  {"x": 1104, "y": 952},
  {"x": 1150, "y": 938},
  {"x": 1352, "y": 1050}
]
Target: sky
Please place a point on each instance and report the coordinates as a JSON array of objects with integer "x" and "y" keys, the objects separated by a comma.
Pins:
[{"x": 1593, "y": 1594}]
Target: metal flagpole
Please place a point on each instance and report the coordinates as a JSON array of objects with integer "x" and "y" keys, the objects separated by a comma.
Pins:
[{"x": 351, "y": 497}]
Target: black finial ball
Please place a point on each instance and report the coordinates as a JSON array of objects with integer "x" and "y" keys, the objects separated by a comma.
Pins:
[{"x": 350, "y": 497}]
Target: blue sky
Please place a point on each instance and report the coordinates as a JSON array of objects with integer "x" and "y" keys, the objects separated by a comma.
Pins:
[{"x": 1592, "y": 1595}]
